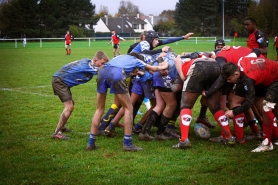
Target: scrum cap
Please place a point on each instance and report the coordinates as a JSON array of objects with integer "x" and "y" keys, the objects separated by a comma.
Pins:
[
  {"x": 219, "y": 42},
  {"x": 150, "y": 36}
]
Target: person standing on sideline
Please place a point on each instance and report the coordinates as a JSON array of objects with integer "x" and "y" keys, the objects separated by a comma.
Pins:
[
  {"x": 73, "y": 74},
  {"x": 68, "y": 38},
  {"x": 256, "y": 38},
  {"x": 276, "y": 44},
  {"x": 116, "y": 42},
  {"x": 24, "y": 41}
]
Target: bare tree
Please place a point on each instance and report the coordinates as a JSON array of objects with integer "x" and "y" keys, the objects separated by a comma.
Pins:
[
  {"x": 128, "y": 8},
  {"x": 103, "y": 10}
]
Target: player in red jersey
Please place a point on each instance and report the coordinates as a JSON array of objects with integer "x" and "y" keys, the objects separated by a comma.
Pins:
[
  {"x": 116, "y": 42},
  {"x": 276, "y": 44},
  {"x": 68, "y": 38},
  {"x": 236, "y": 96},
  {"x": 199, "y": 74},
  {"x": 256, "y": 38},
  {"x": 251, "y": 72}
]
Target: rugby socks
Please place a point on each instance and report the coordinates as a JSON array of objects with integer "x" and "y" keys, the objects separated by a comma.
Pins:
[
  {"x": 222, "y": 121},
  {"x": 203, "y": 112},
  {"x": 138, "y": 126},
  {"x": 92, "y": 139},
  {"x": 163, "y": 122},
  {"x": 108, "y": 117},
  {"x": 238, "y": 122},
  {"x": 152, "y": 118},
  {"x": 136, "y": 107},
  {"x": 171, "y": 124},
  {"x": 128, "y": 140},
  {"x": 185, "y": 119},
  {"x": 268, "y": 125},
  {"x": 253, "y": 126},
  {"x": 69, "y": 51},
  {"x": 275, "y": 130}
]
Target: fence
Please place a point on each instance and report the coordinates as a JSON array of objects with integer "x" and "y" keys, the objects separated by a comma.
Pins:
[{"x": 89, "y": 40}]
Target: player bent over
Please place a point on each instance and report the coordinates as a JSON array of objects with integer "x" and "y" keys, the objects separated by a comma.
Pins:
[
  {"x": 73, "y": 74},
  {"x": 199, "y": 75},
  {"x": 113, "y": 76},
  {"x": 253, "y": 72}
]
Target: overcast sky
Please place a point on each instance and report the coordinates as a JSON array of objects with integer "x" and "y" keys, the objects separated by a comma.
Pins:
[{"x": 147, "y": 7}]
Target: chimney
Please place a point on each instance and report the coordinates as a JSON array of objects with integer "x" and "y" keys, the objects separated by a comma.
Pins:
[
  {"x": 106, "y": 19},
  {"x": 138, "y": 16}
]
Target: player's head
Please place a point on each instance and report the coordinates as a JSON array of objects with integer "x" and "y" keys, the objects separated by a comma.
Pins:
[
  {"x": 113, "y": 32},
  {"x": 230, "y": 72},
  {"x": 100, "y": 58},
  {"x": 152, "y": 38},
  {"x": 250, "y": 25},
  {"x": 219, "y": 44},
  {"x": 143, "y": 36},
  {"x": 68, "y": 31}
]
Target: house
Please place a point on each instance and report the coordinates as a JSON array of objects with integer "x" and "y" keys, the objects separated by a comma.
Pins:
[
  {"x": 153, "y": 20},
  {"x": 127, "y": 24},
  {"x": 124, "y": 24}
]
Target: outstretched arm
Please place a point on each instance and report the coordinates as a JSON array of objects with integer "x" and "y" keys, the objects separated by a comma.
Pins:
[{"x": 174, "y": 39}]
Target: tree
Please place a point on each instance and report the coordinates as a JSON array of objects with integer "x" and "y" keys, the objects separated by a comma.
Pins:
[
  {"x": 127, "y": 8},
  {"x": 44, "y": 18},
  {"x": 168, "y": 13}
]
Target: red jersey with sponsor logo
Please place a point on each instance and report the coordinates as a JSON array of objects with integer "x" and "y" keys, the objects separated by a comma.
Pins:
[
  {"x": 115, "y": 39},
  {"x": 262, "y": 70},
  {"x": 234, "y": 53}
]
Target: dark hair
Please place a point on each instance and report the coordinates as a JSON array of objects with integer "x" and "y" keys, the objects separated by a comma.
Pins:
[
  {"x": 229, "y": 69},
  {"x": 252, "y": 20}
]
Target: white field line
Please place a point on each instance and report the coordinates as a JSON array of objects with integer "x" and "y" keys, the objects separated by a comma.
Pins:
[{"x": 20, "y": 91}]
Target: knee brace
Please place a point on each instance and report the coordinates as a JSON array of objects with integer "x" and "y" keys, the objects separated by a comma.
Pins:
[{"x": 268, "y": 106}]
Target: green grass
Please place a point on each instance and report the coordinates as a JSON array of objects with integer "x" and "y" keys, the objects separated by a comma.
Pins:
[{"x": 29, "y": 113}]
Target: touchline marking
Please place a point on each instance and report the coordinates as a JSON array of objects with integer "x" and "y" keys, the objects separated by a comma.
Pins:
[{"x": 16, "y": 90}]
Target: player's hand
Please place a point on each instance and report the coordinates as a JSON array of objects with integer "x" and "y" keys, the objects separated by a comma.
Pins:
[
  {"x": 226, "y": 48},
  {"x": 165, "y": 49},
  {"x": 229, "y": 114},
  {"x": 187, "y": 36}
]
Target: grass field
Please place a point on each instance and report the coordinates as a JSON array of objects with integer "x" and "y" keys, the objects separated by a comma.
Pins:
[{"x": 29, "y": 113}]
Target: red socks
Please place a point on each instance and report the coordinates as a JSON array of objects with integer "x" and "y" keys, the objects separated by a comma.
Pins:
[
  {"x": 222, "y": 121},
  {"x": 238, "y": 122},
  {"x": 268, "y": 119},
  {"x": 185, "y": 119}
]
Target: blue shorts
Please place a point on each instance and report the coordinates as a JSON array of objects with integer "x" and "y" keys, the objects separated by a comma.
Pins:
[
  {"x": 113, "y": 78},
  {"x": 144, "y": 88},
  {"x": 162, "y": 81}
]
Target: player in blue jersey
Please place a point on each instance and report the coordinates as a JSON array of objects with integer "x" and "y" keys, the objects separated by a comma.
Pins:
[
  {"x": 113, "y": 75},
  {"x": 149, "y": 40},
  {"x": 70, "y": 75}
]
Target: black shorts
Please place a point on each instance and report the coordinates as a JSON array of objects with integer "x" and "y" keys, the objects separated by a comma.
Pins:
[
  {"x": 163, "y": 89},
  {"x": 272, "y": 92},
  {"x": 116, "y": 46},
  {"x": 201, "y": 75},
  {"x": 61, "y": 89}
]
